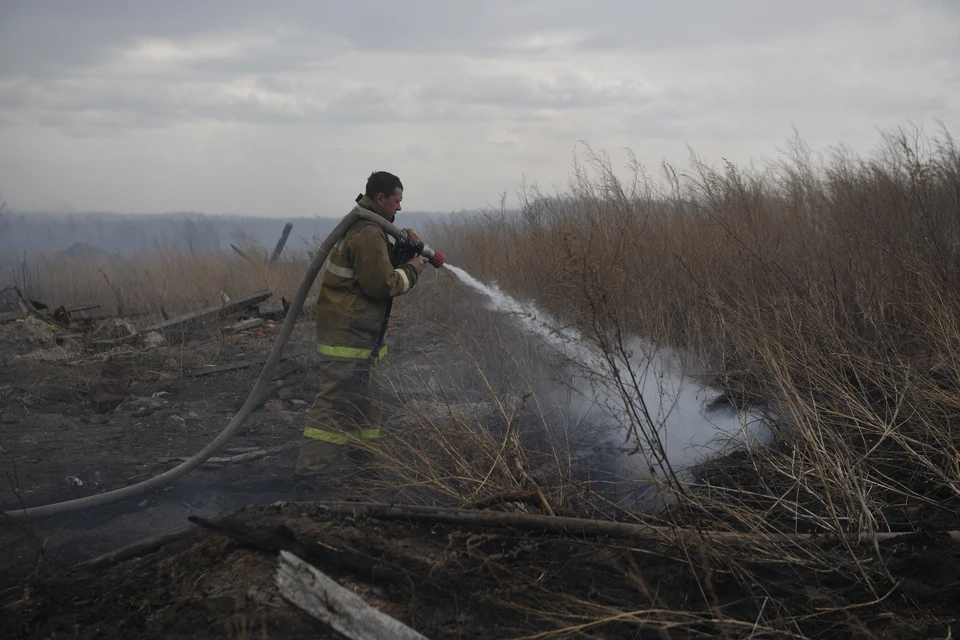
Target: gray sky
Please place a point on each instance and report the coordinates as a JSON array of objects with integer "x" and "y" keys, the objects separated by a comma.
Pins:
[{"x": 285, "y": 107}]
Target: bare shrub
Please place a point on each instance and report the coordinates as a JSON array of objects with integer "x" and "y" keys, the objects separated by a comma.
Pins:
[{"x": 822, "y": 289}]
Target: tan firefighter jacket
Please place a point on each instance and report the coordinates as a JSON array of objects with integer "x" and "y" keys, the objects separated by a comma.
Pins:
[{"x": 362, "y": 275}]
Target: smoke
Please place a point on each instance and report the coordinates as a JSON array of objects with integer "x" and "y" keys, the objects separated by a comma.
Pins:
[{"x": 683, "y": 413}]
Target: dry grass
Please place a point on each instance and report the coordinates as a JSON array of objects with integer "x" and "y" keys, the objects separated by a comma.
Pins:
[
  {"x": 825, "y": 290},
  {"x": 148, "y": 284}
]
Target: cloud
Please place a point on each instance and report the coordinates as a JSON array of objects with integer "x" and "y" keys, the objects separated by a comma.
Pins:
[
  {"x": 568, "y": 91},
  {"x": 463, "y": 97}
]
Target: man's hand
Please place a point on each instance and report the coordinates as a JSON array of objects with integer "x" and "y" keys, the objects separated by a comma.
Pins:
[
  {"x": 418, "y": 263},
  {"x": 413, "y": 237}
]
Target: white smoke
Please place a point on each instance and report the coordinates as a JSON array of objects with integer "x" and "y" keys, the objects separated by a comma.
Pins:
[{"x": 689, "y": 427}]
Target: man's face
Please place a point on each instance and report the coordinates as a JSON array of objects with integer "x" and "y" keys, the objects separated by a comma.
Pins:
[{"x": 392, "y": 204}]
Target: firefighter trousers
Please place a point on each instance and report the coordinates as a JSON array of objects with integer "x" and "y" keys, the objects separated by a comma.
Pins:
[{"x": 344, "y": 414}]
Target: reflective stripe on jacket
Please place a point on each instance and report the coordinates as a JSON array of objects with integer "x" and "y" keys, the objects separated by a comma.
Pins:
[{"x": 362, "y": 274}]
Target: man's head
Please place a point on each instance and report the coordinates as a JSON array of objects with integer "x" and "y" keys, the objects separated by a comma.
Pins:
[{"x": 386, "y": 190}]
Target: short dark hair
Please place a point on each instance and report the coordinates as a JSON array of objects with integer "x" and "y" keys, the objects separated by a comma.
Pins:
[{"x": 382, "y": 182}]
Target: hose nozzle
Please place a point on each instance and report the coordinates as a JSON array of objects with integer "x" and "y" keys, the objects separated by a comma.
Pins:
[{"x": 436, "y": 258}]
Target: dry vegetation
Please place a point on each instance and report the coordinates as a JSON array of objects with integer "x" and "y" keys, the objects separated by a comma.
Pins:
[
  {"x": 149, "y": 283},
  {"x": 825, "y": 290}
]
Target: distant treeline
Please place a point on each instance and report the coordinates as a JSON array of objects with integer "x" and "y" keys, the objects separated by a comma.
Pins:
[{"x": 126, "y": 234}]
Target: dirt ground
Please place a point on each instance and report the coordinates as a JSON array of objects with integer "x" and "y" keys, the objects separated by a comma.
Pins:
[
  {"x": 56, "y": 446},
  {"x": 445, "y": 581},
  {"x": 461, "y": 582}
]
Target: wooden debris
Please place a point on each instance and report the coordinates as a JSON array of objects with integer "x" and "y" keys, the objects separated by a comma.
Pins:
[
  {"x": 336, "y": 607},
  {"x": 242, "y": 449},
  {"x": 246, "y": 325},
  {"x": 364, "y": 562},
  {"x": 62, "y": 316},
  {"x": 132, "y": 335},
  {"x": 141, "y": 548},
  {"x": 11, "y": 316},
  {"x": 37, "y": 309},
  {"x": 235, "y": 305},
  {"x": 90, "y": 306},
  {"x": 272, "y": 310},
  {"x": 251, "y": 455},
  {"x": 243, "y": 364},
  {"x": 64, "y": 336},
  {"x": 280, "y": 243}
]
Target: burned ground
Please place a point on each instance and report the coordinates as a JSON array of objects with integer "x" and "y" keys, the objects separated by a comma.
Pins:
[
  {"x": 59, "y": 445},
  {"x": 454, "y": 582},
  {"x": 447, "y": 581}
]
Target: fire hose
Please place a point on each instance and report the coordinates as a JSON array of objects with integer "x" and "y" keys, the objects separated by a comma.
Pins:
[{"x": 435, "y": 258}]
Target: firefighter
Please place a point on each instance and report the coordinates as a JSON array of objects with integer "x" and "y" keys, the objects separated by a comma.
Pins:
[{"x": 363, "y": 274}]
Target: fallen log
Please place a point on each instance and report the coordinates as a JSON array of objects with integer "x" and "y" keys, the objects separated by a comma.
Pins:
[
  {"x": 235, "y": 305},
  {"x": 587, "y": 527},
  {"x": 281, "y": 242},
  {"x": 336, "y": 607},
  {"x": 453, "y": 516}
]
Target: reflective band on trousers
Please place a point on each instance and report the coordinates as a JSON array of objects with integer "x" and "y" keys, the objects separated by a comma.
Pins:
[
  {"x": 339, "y": 438},
  {"x": 349, "y": 352}
]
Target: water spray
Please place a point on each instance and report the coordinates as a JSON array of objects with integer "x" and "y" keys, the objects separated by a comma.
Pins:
[{"x": 436, "y": 258}]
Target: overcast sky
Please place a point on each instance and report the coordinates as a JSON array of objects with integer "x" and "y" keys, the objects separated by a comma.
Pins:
[{"x": 284, "y": 108}]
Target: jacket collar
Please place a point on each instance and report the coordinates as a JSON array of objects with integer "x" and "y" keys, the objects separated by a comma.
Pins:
[{"x": 368, "y": 204}]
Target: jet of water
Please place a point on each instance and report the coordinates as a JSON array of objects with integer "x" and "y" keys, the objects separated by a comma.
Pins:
[
  {"x": 675, "y": 401},
  {"x": 535, "y": 321}
]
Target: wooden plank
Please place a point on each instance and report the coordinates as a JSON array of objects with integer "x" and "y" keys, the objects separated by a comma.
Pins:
[
  {"x": 238, "y": 304},
  {"x": 10, "y": 316},
  {"x": 334, "y": 606},
  {"x": 243, "y": 364},
  {"x": 246, "y": 325}
]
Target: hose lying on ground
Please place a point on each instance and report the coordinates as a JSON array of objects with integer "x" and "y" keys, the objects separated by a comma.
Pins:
[{"x": 253, "y": 399}]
